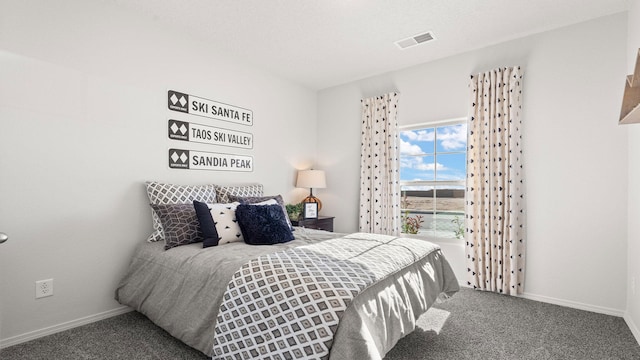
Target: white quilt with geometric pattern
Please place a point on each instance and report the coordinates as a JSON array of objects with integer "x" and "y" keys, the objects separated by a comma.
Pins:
[{"x": 288, "y": 305}]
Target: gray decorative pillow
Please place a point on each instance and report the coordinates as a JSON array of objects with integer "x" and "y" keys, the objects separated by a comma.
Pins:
[
  {"x": 258, "y": 199},
  {"x": 164, "y": 194},
  {"x": 180, "y": 224},
  {"x": 223, "y": 192}
]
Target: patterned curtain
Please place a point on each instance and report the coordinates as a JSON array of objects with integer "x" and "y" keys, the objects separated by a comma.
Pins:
[
  {"x": 495, "y": 239},
  {"x": 379, "y": 166}
]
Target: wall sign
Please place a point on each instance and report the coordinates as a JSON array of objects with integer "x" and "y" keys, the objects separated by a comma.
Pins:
[
  {"x": 202, "y": 160},
  {"x": 204, "y": 134},
  {"x": 194, "y": 105}
]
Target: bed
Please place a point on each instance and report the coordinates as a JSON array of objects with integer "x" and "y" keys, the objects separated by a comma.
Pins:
[
  {"x": 319, "y": 295},
  {"x": 181, "y": 290}
]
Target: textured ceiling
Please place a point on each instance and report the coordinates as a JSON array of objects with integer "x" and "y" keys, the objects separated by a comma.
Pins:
[{"x": 323, "y": 43}]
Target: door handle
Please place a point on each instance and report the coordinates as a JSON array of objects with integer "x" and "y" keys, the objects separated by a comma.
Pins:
[{"x": 3, "y": 237}]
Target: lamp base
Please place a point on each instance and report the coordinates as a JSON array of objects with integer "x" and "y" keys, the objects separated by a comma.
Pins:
[{"x": 313, "y": 199}]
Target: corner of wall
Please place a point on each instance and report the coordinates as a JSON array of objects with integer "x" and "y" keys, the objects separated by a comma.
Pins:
[
  {"x": 632, "y": 326},
  {"x": 632, "y": 313}
]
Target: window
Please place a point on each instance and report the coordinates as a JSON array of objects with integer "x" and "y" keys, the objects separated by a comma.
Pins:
[{"x": 432, "y": 179}]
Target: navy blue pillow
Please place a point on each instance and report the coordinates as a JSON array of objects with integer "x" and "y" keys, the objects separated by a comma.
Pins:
[
  {"x": 263, "y": 224},
  {"x": 207, "y": 225},
  {"x": 258, "y": 199}
]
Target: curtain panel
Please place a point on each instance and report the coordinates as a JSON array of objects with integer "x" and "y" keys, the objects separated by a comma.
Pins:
[
  {"x": 379, "y": 166},
  {"x": 495, "y": 237}
]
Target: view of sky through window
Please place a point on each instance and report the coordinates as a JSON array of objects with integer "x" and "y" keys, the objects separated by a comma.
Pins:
[{"x": 433, "y": 154}]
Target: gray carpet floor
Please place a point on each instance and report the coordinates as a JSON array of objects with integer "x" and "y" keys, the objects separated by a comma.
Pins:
[{"x": 470, "y": 325}]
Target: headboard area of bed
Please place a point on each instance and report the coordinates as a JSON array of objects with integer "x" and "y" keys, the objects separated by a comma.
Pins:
[{"x": 186, "y": 214}]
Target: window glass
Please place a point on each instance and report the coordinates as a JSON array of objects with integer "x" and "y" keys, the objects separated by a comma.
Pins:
[
  {"x": 432, "y": 176},
  {"x": 416, "y": 142},
  {"x": 417, "y": 167},
  {"x": 451, "y": 138},
  {"x": 451, "y": 167}
]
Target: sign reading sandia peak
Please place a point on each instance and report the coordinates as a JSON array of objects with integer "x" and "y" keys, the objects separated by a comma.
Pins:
[
  {"x": 195, "y": 105},
  {"x": 202, "y": 160}
]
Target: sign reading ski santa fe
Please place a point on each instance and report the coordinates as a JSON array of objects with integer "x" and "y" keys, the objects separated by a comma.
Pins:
[
  {"x": 194, "y": 105},
  {"x": 202, "y": 160},
  {"x": 192, "y": 132}
]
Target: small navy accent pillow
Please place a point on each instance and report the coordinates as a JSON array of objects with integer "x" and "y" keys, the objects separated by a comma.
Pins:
[
  {"x": 263, "y": 224},
  {"x": 207, "y": 225}
]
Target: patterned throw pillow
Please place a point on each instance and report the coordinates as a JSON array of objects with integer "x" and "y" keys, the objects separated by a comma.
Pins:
[
  {"x": 223, "y": 192},
  {"x": 263, "y": 224},
  {"x": 163, "y": 194},
  {"x": 180, "y": 224},
  {"x": 224, "y": 216},
  {"x": 259, "y": 199}
]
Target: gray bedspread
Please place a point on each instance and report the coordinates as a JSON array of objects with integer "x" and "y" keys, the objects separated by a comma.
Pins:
[{"x": 181, "y": 291}]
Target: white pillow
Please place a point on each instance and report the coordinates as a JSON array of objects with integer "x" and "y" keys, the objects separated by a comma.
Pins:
[
  {"x": 267, "y": 202},
  {"x": 224, "y": 216}
]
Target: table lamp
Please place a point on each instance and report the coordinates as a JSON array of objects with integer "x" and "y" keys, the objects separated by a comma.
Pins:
[{"x": 311, "y": 179}]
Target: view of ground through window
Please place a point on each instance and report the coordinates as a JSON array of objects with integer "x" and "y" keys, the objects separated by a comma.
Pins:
[{"x": 432, "y": 177}]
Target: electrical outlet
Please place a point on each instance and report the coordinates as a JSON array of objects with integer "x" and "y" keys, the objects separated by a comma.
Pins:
[{"x": 44, "y": 288}]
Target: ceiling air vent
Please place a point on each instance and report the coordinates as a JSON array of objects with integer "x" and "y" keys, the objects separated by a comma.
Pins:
[{"x": 415, "y": 40}]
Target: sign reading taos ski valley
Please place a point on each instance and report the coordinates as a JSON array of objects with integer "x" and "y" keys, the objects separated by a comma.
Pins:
[
  {"x": 202, "y": 160},
  {"x": 195, "y": 105},
  {"x": 204, "y": 134}
]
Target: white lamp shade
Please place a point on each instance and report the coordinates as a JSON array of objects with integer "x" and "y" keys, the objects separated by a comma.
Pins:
[{"x": 311, "y": 179}]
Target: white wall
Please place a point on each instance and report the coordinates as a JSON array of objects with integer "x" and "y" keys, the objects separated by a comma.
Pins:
[
  {"x": 83, "y": 115},
  {"x": 632, "y": 315},
  {"x": 575, "y": 153}
]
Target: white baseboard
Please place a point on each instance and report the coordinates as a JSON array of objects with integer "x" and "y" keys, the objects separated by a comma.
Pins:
[
  {"x": 574, "y": 304},
  {"x": 633, "y": 326},
  {"x": 32, "y": 335},
  {"x": 567, "y": 303}
]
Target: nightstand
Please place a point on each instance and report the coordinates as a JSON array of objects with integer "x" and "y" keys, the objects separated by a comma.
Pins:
[{"x": 321, "y": 223}]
